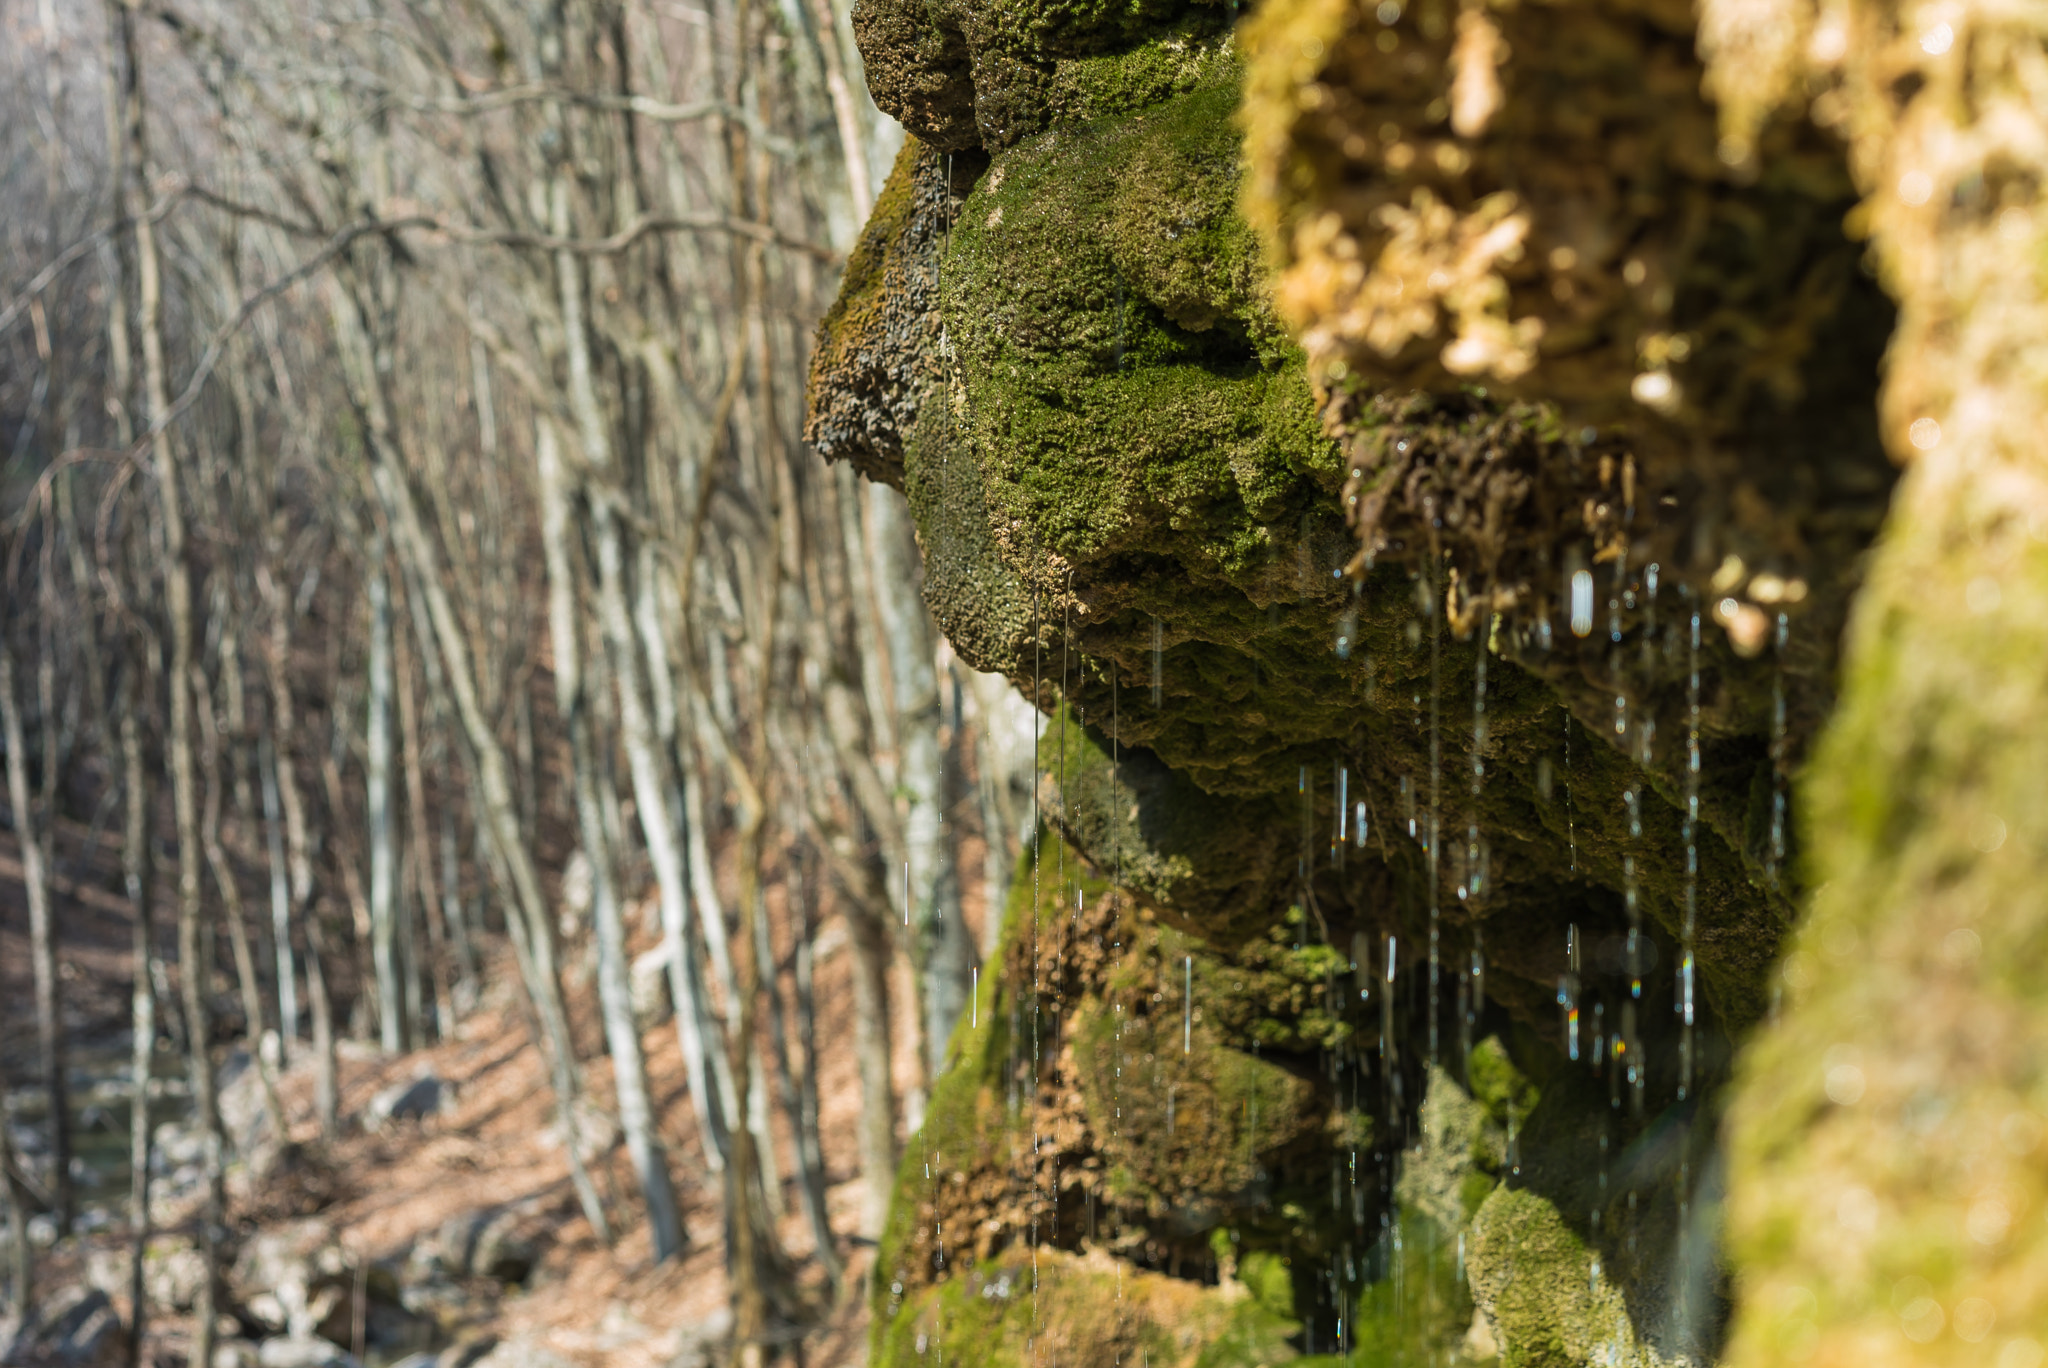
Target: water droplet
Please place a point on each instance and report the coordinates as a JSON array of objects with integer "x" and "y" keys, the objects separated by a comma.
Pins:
[{"x": 1582, "y": 603}]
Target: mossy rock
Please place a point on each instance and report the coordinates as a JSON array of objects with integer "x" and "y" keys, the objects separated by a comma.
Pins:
[
  {"x": 1548, "y": 1299},
  {"x": 1050, "y": 1306},
  {"x": 1114, "y": 1080},
  {"x": 1131, "y": 485}
]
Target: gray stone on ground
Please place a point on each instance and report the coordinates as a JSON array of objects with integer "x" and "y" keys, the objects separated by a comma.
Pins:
[
  {"x": 415, "y": 1099},
  {"x": 78, "y": 1328},
  {"x": 290, "y": 1278},
  {"x": 242, "y": 1115},
  {"x": 309, "y": 1351},
  {"x": 519, "y": 1353},
  {"x": 495, "y": 1242},
  {"x": 172, "y": 1271},
  {"x": 651, "y": 1006}
]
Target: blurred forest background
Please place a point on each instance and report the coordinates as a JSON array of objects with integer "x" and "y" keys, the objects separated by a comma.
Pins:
[{"x": 486, "y": 794}]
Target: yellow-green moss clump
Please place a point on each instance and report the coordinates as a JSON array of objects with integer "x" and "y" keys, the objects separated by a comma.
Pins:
[{"x": 1055, "y": 1307}]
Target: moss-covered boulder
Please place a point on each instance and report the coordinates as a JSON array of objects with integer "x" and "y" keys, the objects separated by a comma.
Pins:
[
  {"x": 1054, "y": 1307},
  {"x": 1430, "y": 646}
]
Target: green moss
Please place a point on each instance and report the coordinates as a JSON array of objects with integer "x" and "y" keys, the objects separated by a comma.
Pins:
[
  {"x": 1184, "y": 1122},
  {"x": 1885, "y": 1169},
  {"x": 1194, "y": 856},
  {"x": 1120, "y": 369},
  {"x": 1544, "y": 1291},
  {"x": 1054, "y": 1307},
  {"x": 1170, "y": 61},
  {"x": 1461, "y": 1149},
  {"x": 1118, "y": 446},
  {"x": 971, "y": 1121},
  {"x": 1498, "y": 1086},
  {"x": 859, "y": 305}
]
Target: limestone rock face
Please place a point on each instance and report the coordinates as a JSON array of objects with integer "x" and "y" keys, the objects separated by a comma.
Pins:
[{"x": 1421, "y": 473}]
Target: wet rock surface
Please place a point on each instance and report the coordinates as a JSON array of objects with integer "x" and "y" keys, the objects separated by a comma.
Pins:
[
  {"x": 76, "y": 1327},
  {"x": 1459, "y": 652}
]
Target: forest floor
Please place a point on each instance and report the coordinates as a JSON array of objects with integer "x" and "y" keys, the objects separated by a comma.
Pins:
[{"x": 493, "y": 1146}]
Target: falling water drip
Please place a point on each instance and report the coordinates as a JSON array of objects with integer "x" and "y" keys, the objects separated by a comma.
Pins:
[
  {"x": 1614, "y": 597},
  {"x": 1158, "y": 658},
  {"x": 1776, "y": 857},
  {"x": 1691, "y": 819},
  {"x": 1388, "y": 1063},
  {"x": 1337, "y": 838},
  {"x": 1305, "y": 859},
  {"x": 1474, "y": 886},
  {"x": 1631, "y": 1042},
  {"x": 1582, "y": 603},
  {"x": 1347, "y": 626},
  {"x": 1436, "y": 783},
  {"x": 1187, "y": 1004},
  {"x": 1462, "y": 1009},
  {"x": 1617, "y": 1058},
  {"x": 1037, "y": 901},
  {"x": 1571, "y": 823},
  {"x": 906, "y": 892},
  {"x": 1473, "y": 992},
  {"x": 1568, "y": 992}
]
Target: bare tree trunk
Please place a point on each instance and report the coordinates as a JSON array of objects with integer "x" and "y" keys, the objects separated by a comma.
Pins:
[
  {"x": 326, "y": 1092},
  {"x": 759, "y": 1268},
  {"x": 391, "y": 1023},
  {"x": 799, "y": 1100},
  {"x": 21, "y": 1261},
  {"x": 510, "y": 852},
  {"x": 193, "y": 968},
  {"x": 713, "y": 1111},
  {"x": 42, "y": 949},
  {"x": 430, "y": 909},
  {"x": 135, "y": 871},
  {"x": 874, "y": 949},
  {"x": 636, "y": 1112},
  {"x": 346, "y": 857},
  {"x": 232, "y": 910},
  {"x": 718, "y": 945},
  {"x": 996, "y": 765},
  {"x": 122, "y": 90},
  {"x": 746, "y": 1101},
  {"x": 280, "y": 898},
  {"x": 452, "y": 912},
  {"x": 280, "y": 774}
]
